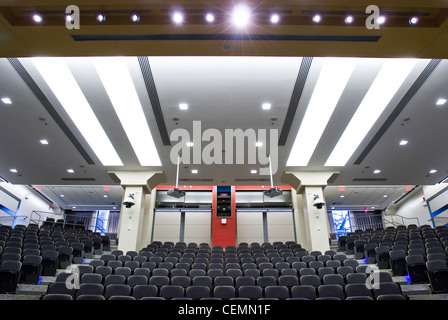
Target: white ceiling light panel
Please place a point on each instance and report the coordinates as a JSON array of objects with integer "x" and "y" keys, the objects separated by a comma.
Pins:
[
  {"x": 331, "y": 83},
  {"x": 386, "y": 84},
  {"x": 64, "y": 86},
  {"x": 117, "y": 81}
]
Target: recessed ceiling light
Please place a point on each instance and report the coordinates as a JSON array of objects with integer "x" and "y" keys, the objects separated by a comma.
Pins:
[
  {"x": 62, "y": 196},
  {"x": 341, "y": 196},
  {"x": 100, "y": 17},
  {"x": 117, "y": 80},
  {"x": 441, "y": 101},
  {"x": 385, "y": 195},
  {"x": 73, "y": 207},
  {"x": 241, "y": 15},
  {"x": 37, "y": 18},
  {"x": 13, "y": 170},
  {"x": 386, "y": 84},
  {"x": 413, "y": 20},
  {"x": 348, "y": 19},
  {"x": 194, "y": 171},
  {"x": 432, "y": 171},
  {"x": 178, "y": 18},
  {"x": 135, "y": 17},
  {"x": 43, "y": 141},
  {"x": 253, "y": 171},
  {"x": 376, "y": 171},
  {"x": 183, "y": 106},
  {"x": 331, "y": 83},
  {"x": 105, "y": 196},
  {"x": 259, "y": 144},
  {"x": 403, "y": 142},
  {"x": 70, "y": 171},
  {"x": 209, "y": 17},
  {"x": 6, "y": 100},
  {"x": 381, "y": 20},
  {"x": 275, "y": 18},
  {"x": 317, "y": 18},
  {"x": 61, "y": 81},
  {"x": 266, "y": 106}
]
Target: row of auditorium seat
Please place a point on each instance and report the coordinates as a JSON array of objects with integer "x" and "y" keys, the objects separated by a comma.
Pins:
[
  {"x": 88, "y": 291},
  {"x": 29, "y": 252},
  {"x": 419, "y": 253},
  {"x": 238, "y": 276}
]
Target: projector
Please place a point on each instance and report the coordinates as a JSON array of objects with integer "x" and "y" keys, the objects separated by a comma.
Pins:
[
  {"x": 176, "y": 193},
  {"x": 273, "y": 192}
]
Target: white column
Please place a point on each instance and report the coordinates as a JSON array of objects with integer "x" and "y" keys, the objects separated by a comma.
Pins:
[
  {"x": 132, "y": 231},
  {"x": 311, "y": 223},
  {"x": 316, "y": 226}
]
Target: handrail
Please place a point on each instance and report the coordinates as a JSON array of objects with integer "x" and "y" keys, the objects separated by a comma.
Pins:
[{"x": 402, "y": 219}]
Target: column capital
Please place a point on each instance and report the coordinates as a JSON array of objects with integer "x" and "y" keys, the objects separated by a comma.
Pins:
[
  {"x": 146, "y": 179},
  {"x": 300, "y": 179}
]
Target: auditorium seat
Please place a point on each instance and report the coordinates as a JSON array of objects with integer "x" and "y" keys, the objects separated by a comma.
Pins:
[
  {"x": 278, "y": 292},
  {"x": 224, "y": 292},
  {"x": 437, "y": 275},
  {"x": 116, "y": 289},
  {"x": 9, "y": 275},
  {"x": 304, "y": 291},
  {"x": 331, "y": 290},
  {"x": 142, "y": 291},
  {"x": 250, "y": 292},
  {"x": 172, "y": 291},
  {"x": 31, "y": 269},
  {"x": 197, "y": 292},
  {"x": 397, "y": 260},
  {"x": 416, "y": 269}
]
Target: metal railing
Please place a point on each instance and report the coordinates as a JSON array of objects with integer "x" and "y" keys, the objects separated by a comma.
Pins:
[
  {"x": 13, "y": 218},
  {"x": 402, "y": 222},
  {"x": 40, "y": 217},
  {"x": 434, "y": 222},
  {"x": 374, "y": 222}
]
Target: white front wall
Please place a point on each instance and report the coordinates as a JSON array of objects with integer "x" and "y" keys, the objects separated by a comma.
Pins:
[
  {"x": 166, "y": 226},
  {"x": 249, "y": 227},
  {"x": 280, "y": 226},
  {"x": 197, "y": 227}
]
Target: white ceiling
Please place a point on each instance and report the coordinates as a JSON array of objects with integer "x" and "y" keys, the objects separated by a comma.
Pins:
[{"x": 222, "y": 93}]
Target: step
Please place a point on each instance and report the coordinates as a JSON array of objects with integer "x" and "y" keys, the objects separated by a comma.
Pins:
[
  {"x": 416, "y": 289},
  {"x": 401, "y": 280},
  {"x": 46, "y": 280},
  {"x": 19, "y": 297},
  {"x": 31, "y": 289},
  {"x": 441, "y": 296}
]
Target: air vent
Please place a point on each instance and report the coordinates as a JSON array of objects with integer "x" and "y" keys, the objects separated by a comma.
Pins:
[
  {"x": 370, "y": 179},
  {"x": 197, "y": 180},
  {"x": 78, "y": 179},
  {"x": 252, "y": 180}
]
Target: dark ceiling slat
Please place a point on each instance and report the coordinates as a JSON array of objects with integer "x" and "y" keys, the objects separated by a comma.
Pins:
[
  {"x": 154, "y": 98},
  {"x": 17, "y": 65},
  {"x": 295, "y": 98},
  {"x": 400, "y": 106},
  {"x": 210, "y": 37}
]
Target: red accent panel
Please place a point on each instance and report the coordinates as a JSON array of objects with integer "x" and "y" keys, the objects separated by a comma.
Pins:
[
  {"x": 223, "y": 234},
  {"x": 186, "y": 188},
  {"x": 261, "y": 187}
]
